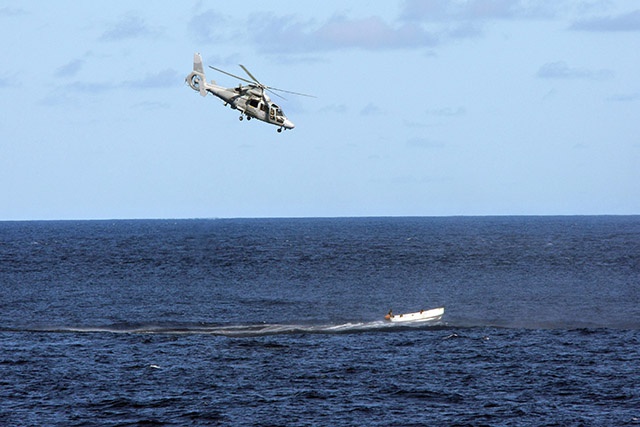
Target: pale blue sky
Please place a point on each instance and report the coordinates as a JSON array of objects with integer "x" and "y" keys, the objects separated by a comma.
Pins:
[{"x": 427, "y": 108}]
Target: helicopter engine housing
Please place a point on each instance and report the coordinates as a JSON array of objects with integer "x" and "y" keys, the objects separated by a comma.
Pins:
[{"x": 255, "y": 92}]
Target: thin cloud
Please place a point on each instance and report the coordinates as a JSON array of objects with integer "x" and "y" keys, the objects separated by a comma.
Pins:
[
  {"x": 465, "y": 30},
  {"x": 625, "y": 22},
  {"x": 162, "y": 79},
  {"x": 424, "y": 143},
  {"x": 62, "y": 94},
  {"x": 152, "y": 106},
  {"x": 129, "y": 27},
  {"x": 90, "y": 87},
  {"x": 371, "y": 110},
  {"x": 282, "y": 34},
  {"x": 217, "y": 60},
  {"x": 447, "y": 112},
  {"x": 334, "y": 108},
  {"x": 625, "y": 97},
  {"x": 206, "y": 27},
  {"x": 12, "y": 11},
  {"x": 560, "y": 70},
  {"x": 70, "y": 69}
]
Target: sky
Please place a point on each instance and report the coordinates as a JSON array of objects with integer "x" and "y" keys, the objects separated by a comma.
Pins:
[{"x": 422, "y": 108}]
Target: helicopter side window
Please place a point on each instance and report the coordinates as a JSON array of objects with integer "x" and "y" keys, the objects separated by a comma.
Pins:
[{"x": 254, "y": 103}]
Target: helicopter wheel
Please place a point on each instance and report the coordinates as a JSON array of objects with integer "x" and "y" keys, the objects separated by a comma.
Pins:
[
  {"x": 279, "y": 130},
  {"x": 248, "y": 117},
  {"x": 241, "y": 118}
]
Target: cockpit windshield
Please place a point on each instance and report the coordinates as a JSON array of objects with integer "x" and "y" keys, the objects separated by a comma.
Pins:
[{"x": 278, "y": 110}]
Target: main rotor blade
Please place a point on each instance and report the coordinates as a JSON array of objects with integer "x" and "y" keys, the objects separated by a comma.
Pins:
[
  {"x": 275, "y": 93},
  {"x": 232, "y": 75},
  {"x": 256, "y": 81},
  {"x": 250, "y": 75},
  {"x": 293, "y": 93},
  {"x": 273, "y": 88}
]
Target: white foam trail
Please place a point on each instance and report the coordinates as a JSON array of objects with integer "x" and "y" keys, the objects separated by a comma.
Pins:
[{"x": 238, "y": 330}]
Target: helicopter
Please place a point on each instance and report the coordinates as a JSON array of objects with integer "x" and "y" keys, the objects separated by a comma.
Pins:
[{"x": 251, "y": 99}]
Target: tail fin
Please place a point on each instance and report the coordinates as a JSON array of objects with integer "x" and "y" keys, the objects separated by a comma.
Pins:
[
  {"x": 197, "y": 63},
  {"x": 197, "y": 79}
]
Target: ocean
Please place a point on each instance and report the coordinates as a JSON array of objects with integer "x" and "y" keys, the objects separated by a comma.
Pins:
[{"x": 280, "y": 322}]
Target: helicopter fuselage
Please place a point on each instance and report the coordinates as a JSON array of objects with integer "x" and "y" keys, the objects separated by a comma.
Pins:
[
  {"x": 250, "y": 100},
  {"x": 251, "y": 104}
]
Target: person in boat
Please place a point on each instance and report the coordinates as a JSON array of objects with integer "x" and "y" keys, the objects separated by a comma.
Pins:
[{"x": 389, "y": 315}]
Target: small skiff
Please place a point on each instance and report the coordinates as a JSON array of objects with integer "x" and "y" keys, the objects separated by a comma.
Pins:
[{"x": 432, "y": 315}]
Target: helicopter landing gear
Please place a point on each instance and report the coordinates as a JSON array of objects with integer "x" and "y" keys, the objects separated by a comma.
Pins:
[
  {"x": 241, "y": 118},
  {"x": 279, "y": 130}
]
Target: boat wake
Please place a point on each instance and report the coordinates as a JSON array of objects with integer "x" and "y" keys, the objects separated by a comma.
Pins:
[
  {"x": 242, "y": 330},
  {"x": 310, "y": 327}
]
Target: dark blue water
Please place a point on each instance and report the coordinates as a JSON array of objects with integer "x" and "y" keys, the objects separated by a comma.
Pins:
[{"x": 279, "y": 322}]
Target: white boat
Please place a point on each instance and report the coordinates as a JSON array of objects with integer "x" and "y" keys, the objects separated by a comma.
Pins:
[{"x": 432, "y": 315}]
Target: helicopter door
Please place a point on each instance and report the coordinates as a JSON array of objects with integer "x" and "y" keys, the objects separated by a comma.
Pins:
[{"x": 253, "y": 103}]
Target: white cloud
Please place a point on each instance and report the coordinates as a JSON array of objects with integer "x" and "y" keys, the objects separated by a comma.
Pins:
[
  {"x": 478, "y": 10},
  {"x": 420, "y": 24},
  {"x": 286, "y": 34},
  {"x": 372, "y": 34}
]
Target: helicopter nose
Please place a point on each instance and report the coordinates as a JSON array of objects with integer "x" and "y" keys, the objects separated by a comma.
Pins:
[{"x": 288, "y": 124}]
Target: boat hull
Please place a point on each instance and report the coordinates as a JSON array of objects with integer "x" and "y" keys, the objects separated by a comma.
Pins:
[{"x": 432, "y": 315}]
